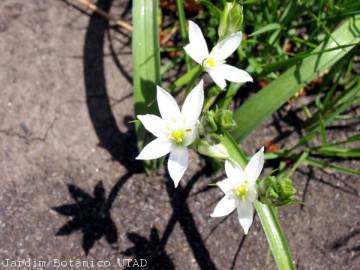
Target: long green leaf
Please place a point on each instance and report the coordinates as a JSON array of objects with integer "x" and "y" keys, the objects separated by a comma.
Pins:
[
  {"x": 146, "y": 59},
  {"x": 260, "y": 106},
  {"x": 267, "y": 28},
  {"x": 183, "y": 29}
]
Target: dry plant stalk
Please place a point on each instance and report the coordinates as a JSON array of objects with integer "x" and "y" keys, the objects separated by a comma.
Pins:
[{"x": 102, "y": 13}]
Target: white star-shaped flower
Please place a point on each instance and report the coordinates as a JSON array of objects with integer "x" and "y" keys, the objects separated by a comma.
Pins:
[
  {"x": 175, "y": 130},
  {"x": 214, "y": 62},
  {"x": 240, "y": 190}
]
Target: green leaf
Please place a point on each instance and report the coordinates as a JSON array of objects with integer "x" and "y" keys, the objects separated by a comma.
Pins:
[
  {"x": 146, "y": 60},
  {"x": 327, "y": 165},
  {"x": 334, "y": 151},
  {"x": 271, "y": 98},
  {"x": 186, "y": 78},
  {"x": 267, "y": 28},
  {"x": 183, "y": 29}
]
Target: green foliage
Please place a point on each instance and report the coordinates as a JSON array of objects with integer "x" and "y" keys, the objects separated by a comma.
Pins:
[
  {"x": 216, "y": 121},
  {"x": 146, "y": 60},
  {"x": 289, "y": 47},
  {"x": 276, "y": 191},
  {"x": 231, "y": 19},
  {"x": 272, "y": 97}
]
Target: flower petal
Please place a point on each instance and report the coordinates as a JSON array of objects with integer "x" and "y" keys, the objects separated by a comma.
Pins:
[
  {"x": 167, "y": 104},
  {"x": 191, "y": 135},
  {"x": 153, "y": 123},
  {"x": 224, "y": 207},
  {"x": 193, "y": 52},
  {"x": 234, "y": 171},
  {"x": 226, "y": 185},
  {"x": 197, "y": 48},
  {"x": 234, "y": 74},
  {"x": 255, "y": 166},
  {"x": 178, "y": 163},
  {"x": 217, "y": 77},
  {"x": 155, "y": 149},
  {"x": 226, "y": 47},
  {"x": 193, "y": 104},
  {"x": 245, "y": 212}
]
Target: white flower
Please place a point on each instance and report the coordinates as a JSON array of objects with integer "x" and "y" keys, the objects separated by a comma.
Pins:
[
  {"x": 174, "y": 131},
  {"x": 240, "y": 190},
  {"x": 214, "y": 62}
]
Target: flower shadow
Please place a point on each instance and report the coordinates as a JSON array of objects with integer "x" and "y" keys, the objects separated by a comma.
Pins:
[
  {"x": 153, "y": 249},
  {"x": 90, "y": 214}
]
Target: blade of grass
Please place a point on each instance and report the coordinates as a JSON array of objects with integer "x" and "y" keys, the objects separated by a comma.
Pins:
[
  {"x": 271, "y": 98},
  {"x": 266, "y": 28},
  {"x": 326, "y": 165},
  {"x": 183, "y": 31},
  {"x": 146, "y": 61}
]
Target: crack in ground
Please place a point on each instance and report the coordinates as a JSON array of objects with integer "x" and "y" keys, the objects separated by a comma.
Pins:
[{"x": 27, "y": 135}]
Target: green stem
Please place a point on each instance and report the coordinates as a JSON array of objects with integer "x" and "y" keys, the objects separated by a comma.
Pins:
[
  {"x": 267, "y": 214},
  {"x": 183, "y": 31},
  {"x": 275, "y": 236}
]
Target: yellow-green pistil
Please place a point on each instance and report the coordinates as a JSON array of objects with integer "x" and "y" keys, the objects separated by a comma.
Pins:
[
  {"x": 210, "y": 63},
  {"x": 178, "y": 136},
  {"x": 242, "y": 191}
]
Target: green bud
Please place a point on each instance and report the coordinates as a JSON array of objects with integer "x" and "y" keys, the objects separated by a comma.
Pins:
[
  {"x": 276, "y": 191},
  {"x": 214, "y": 151},
  {"x": 214, "y": 138},
  {"x": 231, "y": 19},
  {"x": 224, "y": 119},
  {"x": 208, "y": 123}
]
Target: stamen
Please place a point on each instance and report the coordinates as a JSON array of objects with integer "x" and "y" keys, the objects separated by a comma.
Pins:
[
  {"x": 178, "y": 136},
  {"x": 210, "y": 63},
  {"x": 241, "y": 191}
]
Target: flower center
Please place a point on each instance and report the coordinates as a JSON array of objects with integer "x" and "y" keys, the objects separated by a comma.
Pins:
[
  {"x": 178, "y": 136},
  {"x": 242, "y": 191},
  {"x": 210, "y": 63}
]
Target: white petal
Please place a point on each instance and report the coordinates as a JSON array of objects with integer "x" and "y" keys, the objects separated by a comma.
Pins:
[
  {"x": 191, "y": 135},
  {"x": 178, "y": 163},
  {"x": 167, "y": 104},
  {"x": 153, "y": 123},
  {"x": 226, "y": 185},
  {"x": 197, "y": 48},
  {"x": 234, "y": 171},
  {"x": 234, "y": 74},
  {"x": 193, "y": 52},
  {"x": 255, "y": 166},
  {"x": 224, "y": 207},
  {"x": 245, "y": 212},
  {"x": 227, "y": 46},
  {"x": 217, "y": 77},
  {"x": 251, "y": 193},
  {"x": 155, "y": 149},
  {"x": 193, "y": 104}
]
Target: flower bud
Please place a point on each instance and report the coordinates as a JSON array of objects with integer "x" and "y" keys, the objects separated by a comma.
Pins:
[
  {"x": 208, "y": 123},
  {"x": 224, "y": 119},
  {"x": 214, "y": 151},
  {"x": 231, "y": 19},
  {"x": 276, "y": 191}
]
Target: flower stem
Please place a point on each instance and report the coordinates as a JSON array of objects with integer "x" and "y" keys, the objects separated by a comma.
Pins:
[
  {"x": 183, "y": 31},
  {"x": 267, "y": 214}
]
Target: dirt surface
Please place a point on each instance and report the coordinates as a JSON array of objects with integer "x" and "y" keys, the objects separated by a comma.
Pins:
[{"x": 69, "y": 184}]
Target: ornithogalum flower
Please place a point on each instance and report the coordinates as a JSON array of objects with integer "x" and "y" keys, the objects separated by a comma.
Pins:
[
  {"x": 214, "y": 62},
  {"x": 175, "y": 130},
  {"x": 240, "y": 190}
]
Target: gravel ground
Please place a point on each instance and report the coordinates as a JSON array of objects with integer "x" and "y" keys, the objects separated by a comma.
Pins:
[{"x": 70, "y": 189}]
